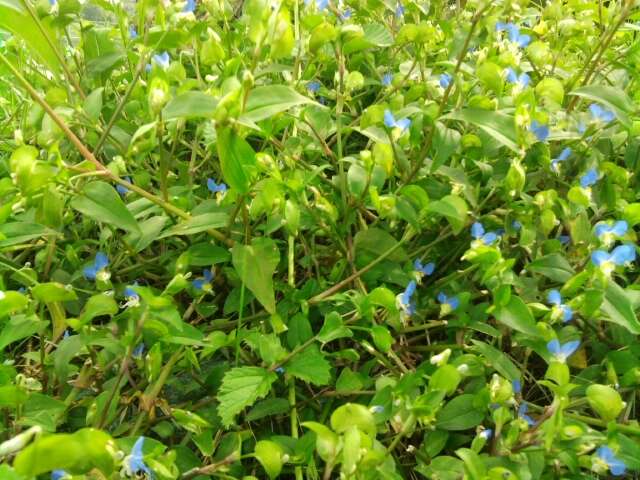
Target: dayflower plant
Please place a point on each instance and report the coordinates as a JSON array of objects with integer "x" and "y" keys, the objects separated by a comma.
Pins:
[
  {"x": 560, "y": 310},
  {"x": 560, "y": 352},
  {"x": 445, "y": 80},
  {"x": 619, "y": 256},
  {"x": 204, "y": 283},
  {"x": 134, "y": 463},
  {"x": 564, "y": 155},
  {"x": 514, "y": 33},
  {"x": 600, "y": 114},
  {"x": 606, "y": 460},
  {"x": 404, "y": 300},
  {"x": 98, "y": 269},
  {"x": 607, "y": 233},
  {"x": 452, "y": 302},
  {"x": 391, "y": 122},
  {"x": 422, "y": 270},
  {"x": 482, "y": 237}
]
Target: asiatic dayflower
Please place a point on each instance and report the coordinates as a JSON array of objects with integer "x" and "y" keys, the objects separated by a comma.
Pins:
[
  {"x": 219, "y": 189},
  {"x": 162, "y": 60},
  {"x": 320, "y": 4},
  {"x": 519, "y": 81},
  {"x": 516, "y": 385},
  {"x": 391, "y": 122},
  {"x": 588, "y": 180},
  {"x": 121, "y": 189},
  {"x": 486, "y": 434},
  {"x": 514, "y": 33},
  {"x": 138, "y": 351},
  {"x": 564, "y": 155},
  {"x": 59, "y": 475},
  {"x": 399, "y": 10},
  {"x": 481, "y": 237},
  {"x": 600, "y": 114},
  {"x": 607, "y": 233},
  {"x": 387, "y": 78},
  {"x": 313, "y": 86},
  {"x": 606, "y": 460},
  {"x": 421, "y": 270},
  {"x": 132, "y": 299},
  {"x": 133, "y": 32},
  {"x": 134, "y": 463},
  {"x": 404, "y": 302},
  {"x": 445, "y": 80},
  {"x": 560, "y": 352},
  {"x": 559, "y": 310},
  {"x": 540, "y": 130},
  {"x": 522, "y": 414},
  {"x": 607, "y": 262},
  {"x": 450, "y": 303},
  {"x": 98, "y": 269},
  {"x": 189, "y": 7},
  {"x": 204, "y": 283}
]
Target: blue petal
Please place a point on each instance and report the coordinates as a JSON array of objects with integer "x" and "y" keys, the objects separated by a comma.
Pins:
[
  {"x": 514, "y": 32},
  {"x": 601, "y": 229},
  {"x": 554, "y": 297},
  {"x": 623, "y": 254},
  {"x": 489, "y": 238},
  {"x": 122, "y": 190},
  {"x": 129, "y": 292},
  {"x": 138, "y": 351},
  {"x": 599, "y": 257},
  {"x": 617, "y": 467},
  {"x": 445, "y": 80},
  {"x": 346, "y": 14},
  {"x": 387, "y": 79},
  {"x": 407, "y": 294},
  {"x": 136, "y": 451},
  {"x": 208, "y": 275},
  {"x": 620, "y": 228},
  {"x": 589, "y": 178},
  {"x": 517, "y": 386},
  {"x": 58, "y": 474},
  {"x": 512, "y": 77},
  {"x": 567, "y": 313},
  {"x": 453, "y": 302},
  {"x": 133, "y": 33},
  {"x": 569, "y": 348},
  {"x": 565, "y": 154},
  {"x": 399, "y": 10},
  {"x": 524, "y": 79},
  {"x": 501, "y": 26},
  {"x": 90, "y": 272},
  {"x": 313, "y": 86},
  {"x": 540, "y": 131},
  {"x": 198, "y": 283},
  {"x": 403, "y": 123},
  {"x": 442, "y": 297},
  {"x": 596, "y": 110},
  {"x": 389, "y": 119},
  {"x": 477, "y": 230},
  {"x": 553, "y": 347},
  {"x": 322, "y": 4},
  {"x": 190, "y": 6},
  {"x": 101, "y": 261},
  {"x": 429, "y": 268},
  {"x": 523, "y": 40},
  {"x": 564, "y": 239},
  {"x": 605, "y": 454}
]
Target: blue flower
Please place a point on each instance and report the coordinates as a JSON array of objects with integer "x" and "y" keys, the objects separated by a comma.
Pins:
[
  {"x": 214, "y": 187},
  {"x": 133, "y": 32},
  {"x": 521, "y": 80},
  {"x": 423, "y": 270},
  {"x": 445, "y": 80},
  {"x": 399, "y": 11},
  {"x": 190, "y": 6},
  {"x": 516, "y": 225},
  {"x": 560, "y": 352},
  {"x": 162, "y": 60},
  {"x": 477, "y": 232},
  {"x": 514, "y": 33},
  {"x": 138, "y": 351},
  {"x": 589, "y": 178},
  {"x": 131, "y": 296},
  {"x": 607, "y": 233},
  {"x": 321, "y": 4},
  {"x": 121, "y": 189},
  {"x": 564, "y": 155},
  {"x": 522, "y": 413},
  {"x": 98, "y": 268},
  {"x": 135, "y": 461},
  {"x": 204, "y": 283},
  {"x": 607, "y": 262},
  {"x": 405, "y": 304},
  {"x": 486, "y": 434},
  {"x": 540, "y": 130},
  {"x": 453, "y": 302},
  {"x": 59, "y": 475},
  {"x": 517, "y": 386},
  {"x": 313, "y": 86},
  {"x": 599, "y": 113},
  {"x": 387, "y": 78},
  {"x": 616, "y": 466},
  {"x": 346, "y": 15},
  {"x": 53, "y": 3},
  {"x": 555, "y": 299},
  {"x": 376, "y": 408},
  {"x": 564, "y": 239},
  {"x": 391, "y": 122}
]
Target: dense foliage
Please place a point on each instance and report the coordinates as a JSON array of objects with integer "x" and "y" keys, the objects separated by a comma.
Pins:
[{"x": 350, "y": 239}]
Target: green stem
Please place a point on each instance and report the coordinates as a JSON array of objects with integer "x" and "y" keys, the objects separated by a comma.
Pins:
[{"x": 294, "y": 419}]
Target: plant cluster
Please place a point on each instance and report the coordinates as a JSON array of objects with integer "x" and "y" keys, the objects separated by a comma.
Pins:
[{"x": 356, "y": 239}]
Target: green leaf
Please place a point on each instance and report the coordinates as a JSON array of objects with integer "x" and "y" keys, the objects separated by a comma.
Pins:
[
  {"x": 459, "y": 414},
  {"x": 553, "y": 266},
  {"x": 375, "y": 35},
  {"x": 375, "y": 241},
  {"x": 256, "y": 264},
  {"x": 612, "y": 98},
  {"x": 499, "y": 360},
  {"x": 241, "y": 387},
  {"x": 516, "y": 315},
  {"x": 96, "y": 306},
  {"x": 333, "y": 328},
  {"x": 617, "y": 308},
  {"x": 53, "y": 292},
  {"x": 198, "y": 224},
  {"x": 266, "y": 101},
  {"x": 310, "y": 365},
  {"x": 269, "y": 454},
  {"x": 498, "y": 125},
  {"x": 453, "y": 208},
  {"x": 12, "y": 302},
  {"x": 101, "y": 202},
  {"x": 15, "y": 233},
  {"x": 445, "y": 143},
  {"x": 268, "y": 407},
  {"x": 237, "y": 160},
  {"x": 190, "y": 105},
  {"x": 19, "y": 327}
]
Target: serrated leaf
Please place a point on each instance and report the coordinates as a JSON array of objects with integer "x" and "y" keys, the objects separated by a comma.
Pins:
[
  {"x": 333, "y": 328},
  {"x": 241, "y": 387},
  {"x": 310, "y": 365}
]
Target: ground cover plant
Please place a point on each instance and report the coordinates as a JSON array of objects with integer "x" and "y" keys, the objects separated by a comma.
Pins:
[{"x": 319, "y": 239}]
